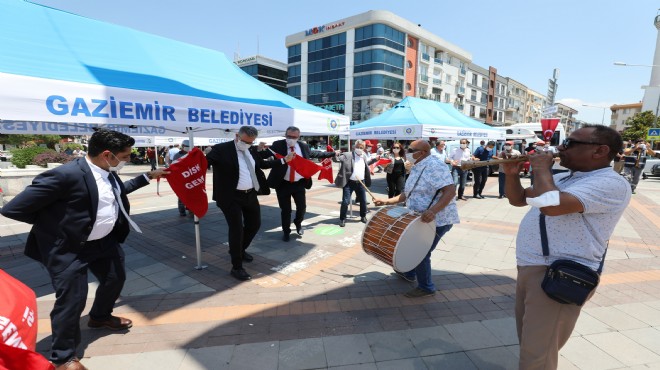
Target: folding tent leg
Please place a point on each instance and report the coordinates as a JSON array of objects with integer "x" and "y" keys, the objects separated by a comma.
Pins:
[{"x": 198, "y": 245}]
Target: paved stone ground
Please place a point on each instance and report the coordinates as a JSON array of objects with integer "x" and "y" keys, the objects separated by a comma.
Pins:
[{"x": 320, "y": 302}]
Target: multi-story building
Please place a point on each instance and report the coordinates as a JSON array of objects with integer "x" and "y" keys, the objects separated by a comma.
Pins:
[
  {"x": 516, "y": 104},
  {"x": 621, "y": 113},
  {"x": 269, "y": 71},
  {"x": 500, "y": 100},
  {"x": 477, "y": 93},
  {"x": 566, "y": 115},
  {"x": 534, "y": 106},
  {"x": 362, "y": 65}
]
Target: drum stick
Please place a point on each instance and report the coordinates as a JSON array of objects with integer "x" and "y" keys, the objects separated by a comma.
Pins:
[{"x": 373, "y": 198}]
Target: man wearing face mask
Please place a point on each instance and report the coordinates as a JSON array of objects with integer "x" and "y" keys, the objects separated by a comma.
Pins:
[
  {"x": 237, "y": 180},
  {"x": 456, "y": 157},
  {"x": 354, "y": 168},
  {"x": 508, "y": 152},
  {"x": 635, "y": 161},
  {"x": 484, "y": 153},
  {"x": 80, "y": 214},
  {"x": 430, "y": 191},
  {"x": 288, "y": 183}
]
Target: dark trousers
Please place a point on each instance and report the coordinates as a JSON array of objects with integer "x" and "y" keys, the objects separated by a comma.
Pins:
[
  {"x": 285, "y": 191},
  {"x": 395, "y": 183},
  {"x": 360, "y": 194},
  {"x": 181, "y": 206},
  {"x": 243, "y": 216},
  {"x": 105, "y": 259},
  {"x": 460, "y": 178},
  {"x": 152, "y": 161},
  {"x": 480, "y": 178},
  {"x": 501, "y": 179}
]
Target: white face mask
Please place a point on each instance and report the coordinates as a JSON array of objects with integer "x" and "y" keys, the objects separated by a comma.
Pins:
[
  {"x": 358, "y": 151},
  {"x": 291, "y": 142},
  {"x": 116, "y": 168},
  {"x": 368, "y": 149},
  {"x": 642, "y": 147},
  {"x": 507, "y": 147},
  {"x": 463, "y": 146},
  {"x": 489, "y": 149},
  {"x": 410, "y": 158},
  {"x": 396, "y": 151},
  {"x": 242, "y": 146}
]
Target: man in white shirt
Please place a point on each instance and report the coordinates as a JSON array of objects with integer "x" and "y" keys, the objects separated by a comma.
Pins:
[
  {"x": 577, "y": 212},
  {"x": 354, "y": 168},
  {"x": 507, "y": 152},
  {"x": 458, "y": 155}
]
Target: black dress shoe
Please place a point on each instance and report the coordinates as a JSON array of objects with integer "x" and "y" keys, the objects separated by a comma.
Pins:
[
  {"x": 240, "y": 274},
  {"x": 286, "y": 237},
  {"x": 342, "y": 223},
  {"x": 299, "y": 230},
  {"x": 247, "y": 257},
  {"x": 363, "y": 220}
]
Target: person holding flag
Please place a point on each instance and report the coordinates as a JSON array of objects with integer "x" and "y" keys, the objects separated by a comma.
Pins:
[
  {"x": 237, "y": 179},
  {"x": 292, "y": 181}
]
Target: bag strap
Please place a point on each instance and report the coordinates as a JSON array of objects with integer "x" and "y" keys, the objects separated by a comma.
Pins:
[{"x": 544, "y": 243}]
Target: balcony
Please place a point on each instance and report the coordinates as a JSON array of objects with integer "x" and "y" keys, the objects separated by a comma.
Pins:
[
  {"x": 438, "y": 61},
  {"x": 437, "y": 81},
  {"x": 460, "y": 90},
  {"x": 463, "y": 71},
  {"x": 423, "y": 78},
  {"x": 426, "y": 57}
]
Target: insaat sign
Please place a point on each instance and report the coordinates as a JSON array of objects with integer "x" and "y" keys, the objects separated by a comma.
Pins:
[{"x": 320, "y": 29}]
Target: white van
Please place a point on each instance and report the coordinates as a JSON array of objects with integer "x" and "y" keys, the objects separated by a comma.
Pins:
[{"x": 535, "y": 127}]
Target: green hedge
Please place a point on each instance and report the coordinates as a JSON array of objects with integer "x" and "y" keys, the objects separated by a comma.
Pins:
[{"x": 24, "y": 156}]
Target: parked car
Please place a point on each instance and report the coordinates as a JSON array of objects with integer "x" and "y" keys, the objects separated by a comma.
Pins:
[
  {"x": 651, "y": 163},
  {"x": 5, "y": 156},
  {"x": 655, "y": 170}
]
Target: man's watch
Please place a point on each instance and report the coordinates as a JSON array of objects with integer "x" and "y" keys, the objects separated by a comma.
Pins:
[{"x": 150, "y": 175}]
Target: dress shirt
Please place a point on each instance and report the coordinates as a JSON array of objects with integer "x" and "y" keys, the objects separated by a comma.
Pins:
[
  {"x": 108, "y": 209},
  {"x": 244, "y": 177},
  {"x": 288, "y": 170},
  {"x": 358, "y": 167}
]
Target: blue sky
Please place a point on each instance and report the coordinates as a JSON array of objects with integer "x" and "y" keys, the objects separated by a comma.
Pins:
[{"x": 523, "y": 39}]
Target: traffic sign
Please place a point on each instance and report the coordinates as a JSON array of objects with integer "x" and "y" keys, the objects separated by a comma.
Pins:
[
  {"x": 653, "y": 134},
  {"x": 550, "y": 110}
]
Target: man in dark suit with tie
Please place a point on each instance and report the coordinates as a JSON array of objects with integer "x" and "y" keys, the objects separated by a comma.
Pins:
[
  {"x": 80, "y": 214},
  {"x": 237, "y": 179},
  {"x": 288, "y": 183}
]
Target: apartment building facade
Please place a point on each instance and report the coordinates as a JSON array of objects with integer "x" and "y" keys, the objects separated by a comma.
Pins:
[
  {"x": 621, "y": 113},
  {"x": 363, "y": 65}
]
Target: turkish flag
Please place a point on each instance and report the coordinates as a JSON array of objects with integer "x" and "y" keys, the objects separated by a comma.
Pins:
[
  {"x": 18, "y": 325},
  {"x": 188, "y": 181},
  {"x": 306, "y": 168},
  {"x": 548, "y": 126},
  {"x": 380, "y": 162}
]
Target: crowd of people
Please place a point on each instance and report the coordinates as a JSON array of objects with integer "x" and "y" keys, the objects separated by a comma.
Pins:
[{"x": 577, "y": 211}]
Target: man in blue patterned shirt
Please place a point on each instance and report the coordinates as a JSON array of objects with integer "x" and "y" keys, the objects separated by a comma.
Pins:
[{"x": 429, "y": 191}]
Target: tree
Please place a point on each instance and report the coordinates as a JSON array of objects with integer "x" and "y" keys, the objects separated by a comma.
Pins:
[
  {"x": 639, "y": 125},
  {"x": 21, "y": 140}
]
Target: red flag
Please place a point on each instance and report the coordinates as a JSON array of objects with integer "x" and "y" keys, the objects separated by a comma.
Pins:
[
  {"x": 306, "y": 168},
  {"x": 18, "y": 325},
  {"x": 326, "y": 171},
  {"x": 548, "y": 126},
  {"x": 188, "y": 181},
  {"x": 380, "y": 162}
]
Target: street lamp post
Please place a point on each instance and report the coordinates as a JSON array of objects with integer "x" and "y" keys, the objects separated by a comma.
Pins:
[{"x": 602, "y": 120}]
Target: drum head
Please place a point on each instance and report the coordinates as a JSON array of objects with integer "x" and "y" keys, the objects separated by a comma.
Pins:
[{"x": 414, "y": 244}]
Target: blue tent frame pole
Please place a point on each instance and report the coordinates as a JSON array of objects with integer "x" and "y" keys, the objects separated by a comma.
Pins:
[{"x": 198, "y": 241}]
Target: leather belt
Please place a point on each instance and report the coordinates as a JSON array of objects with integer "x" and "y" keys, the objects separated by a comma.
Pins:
[{"x": 244, "y": 191}]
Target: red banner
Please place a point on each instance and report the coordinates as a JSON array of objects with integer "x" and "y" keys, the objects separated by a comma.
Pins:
[
  {"x": 548, "y": 126},
  {"x": 380, "y": 162},
  {"x": 188, "y": 181},
  {"x": 18, "y": 326}
]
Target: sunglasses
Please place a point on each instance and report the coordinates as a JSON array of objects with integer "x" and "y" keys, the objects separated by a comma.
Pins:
[
  {"x": 412, "y": 150},
  {"x": 567, "y": 143},
  {"x": 397, "y": 147}
]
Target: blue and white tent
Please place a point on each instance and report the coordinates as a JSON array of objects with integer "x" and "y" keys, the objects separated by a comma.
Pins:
[
  {"x": 415, "y": 118},
  {"x": 61, "y": 73}
]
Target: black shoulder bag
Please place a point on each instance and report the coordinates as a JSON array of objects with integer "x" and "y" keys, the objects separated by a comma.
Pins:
[{"x": 567, "y": 281}]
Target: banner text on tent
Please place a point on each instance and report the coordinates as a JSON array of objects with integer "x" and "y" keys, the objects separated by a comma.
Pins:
[{"x": 111, "y": 108}]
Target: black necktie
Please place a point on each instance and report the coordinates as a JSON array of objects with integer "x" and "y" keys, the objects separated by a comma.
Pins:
[{"x": 115, "y": 191}]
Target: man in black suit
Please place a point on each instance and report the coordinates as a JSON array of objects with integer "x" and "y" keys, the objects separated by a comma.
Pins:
[
  {"x": 288, "y": 184},
  {"x": 78, "y": 224},
  {"x": 237, "y": 179}
]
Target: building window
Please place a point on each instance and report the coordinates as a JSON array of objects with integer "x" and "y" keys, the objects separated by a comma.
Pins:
[
  {"x": 294, "y": 74},
  {"x": 447, "y": 97},
  {"x": 472, "y": 111},
  {"x": 473, "y": 94},
  {"x": 448, "y": 78},
  {"x": 408, "y": 87},
  {"x": 378, "y": 60},
  {"x": 475, "y": 79},
  {"x": 326, "y": 71},
  {"x": 482, "y": 113},
  {"x": 378, "y": 84},
  {"x": 294, "y": 53},
  {"x": 409, "y": 64},
  {"x": 411, "y": 42},
  {"x": 379, "y": 34}
]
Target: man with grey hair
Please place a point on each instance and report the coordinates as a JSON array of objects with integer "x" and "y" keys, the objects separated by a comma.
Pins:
[
  {"x": 353, "y": 170},
  {"x": 290, "y": 184},
  {"x": 237, "y": 179}
]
